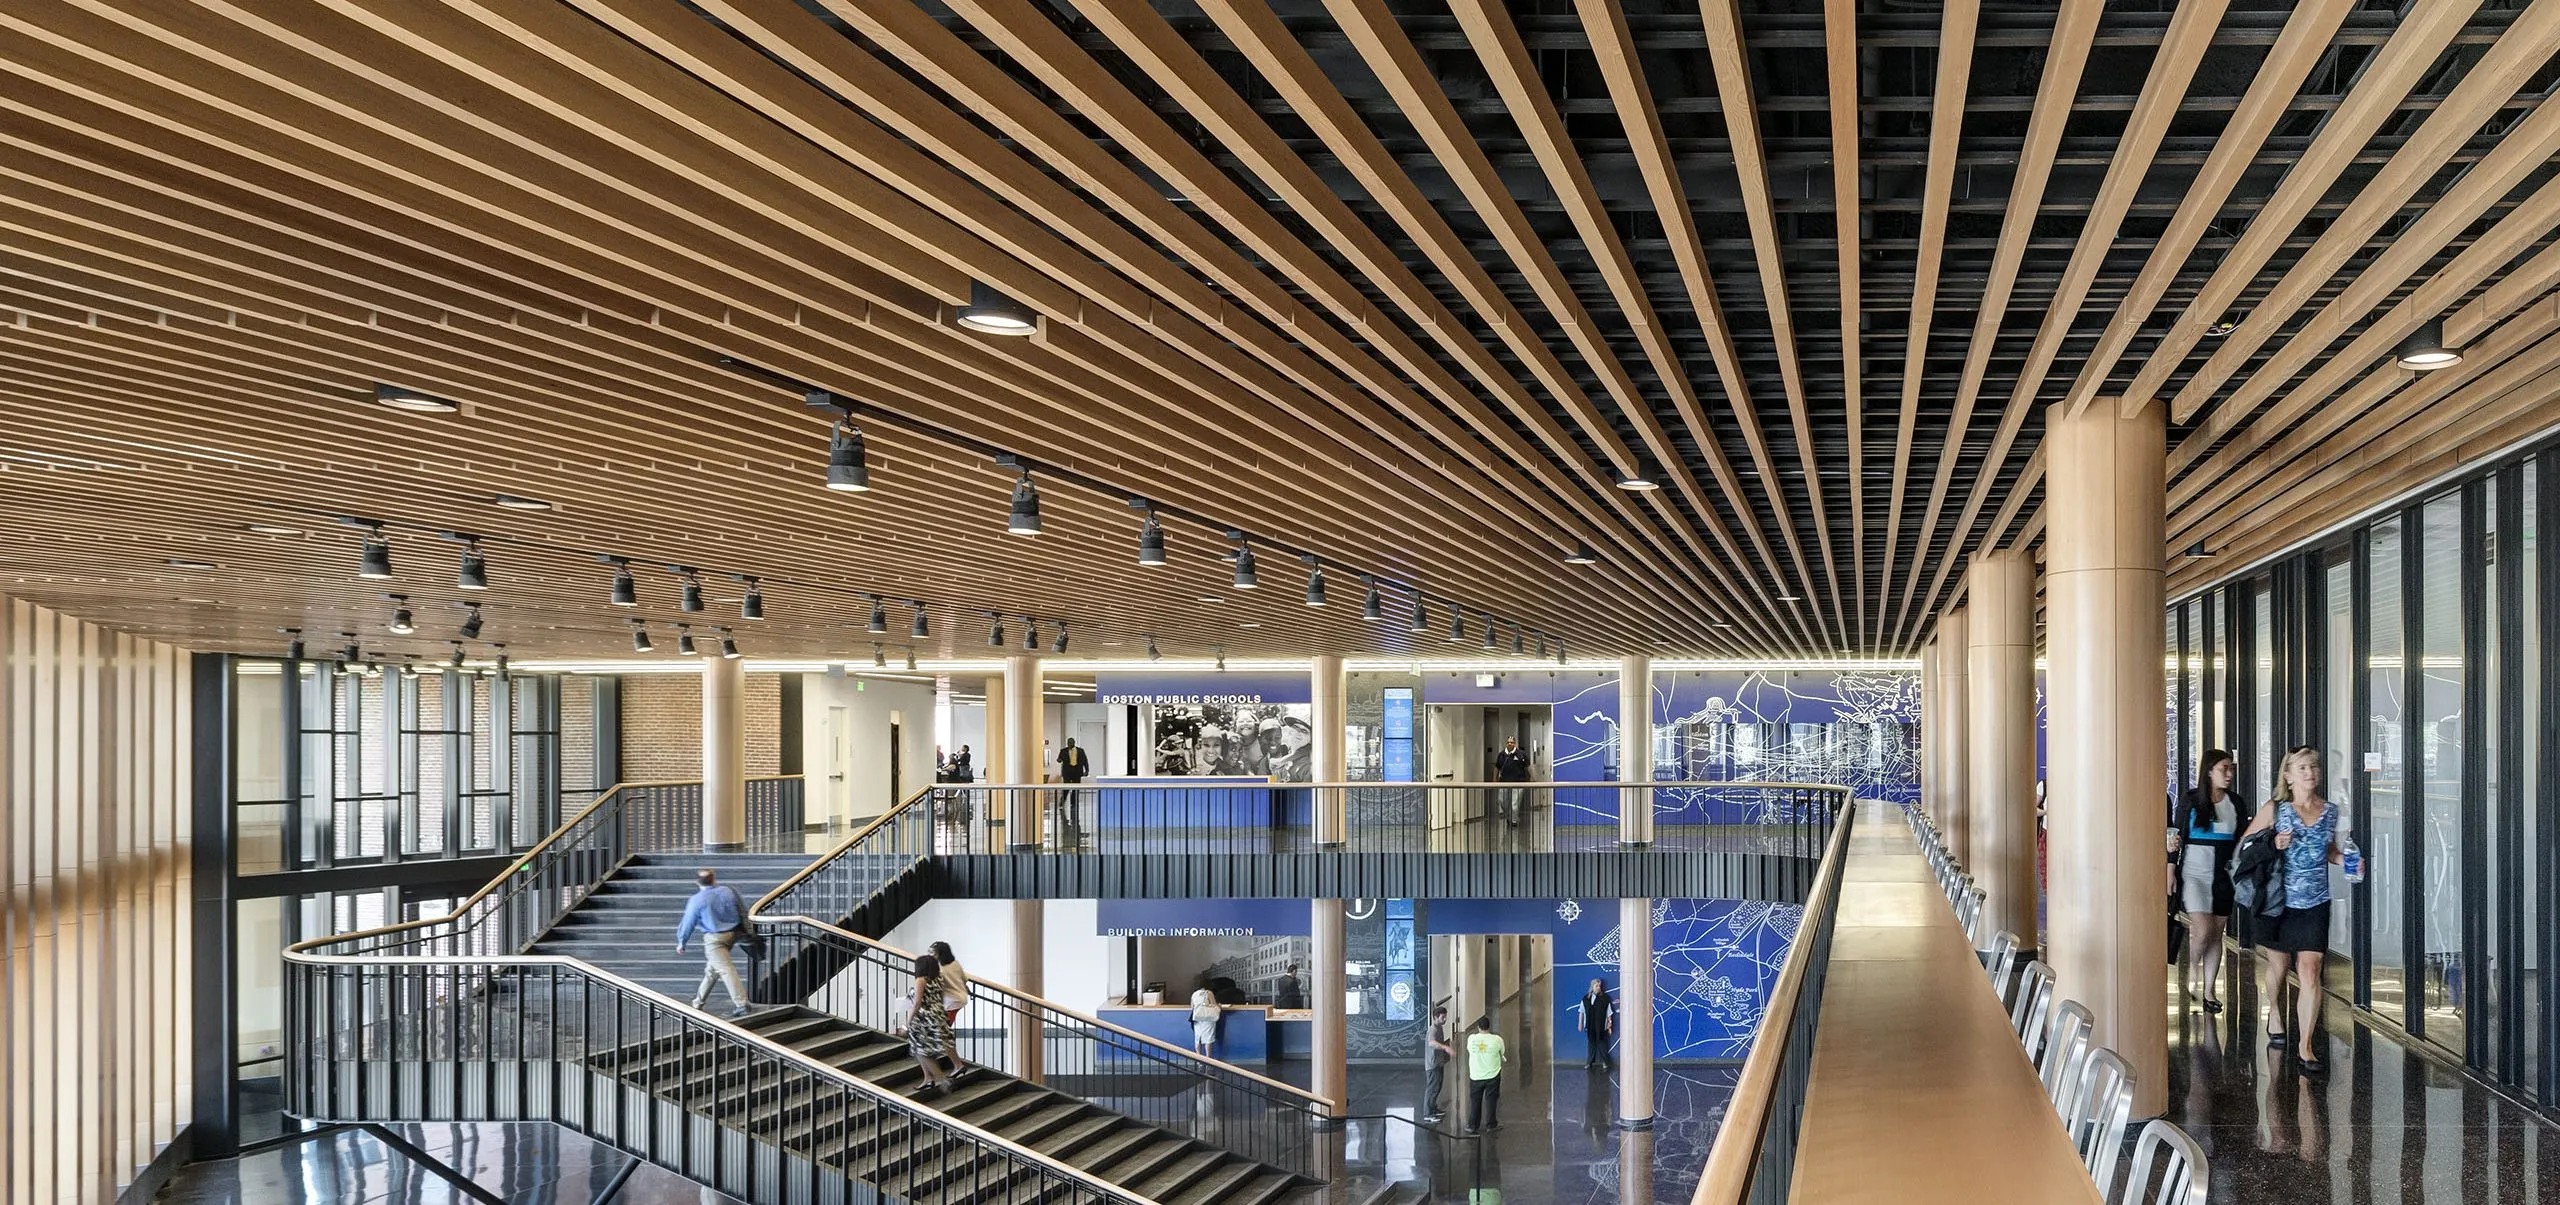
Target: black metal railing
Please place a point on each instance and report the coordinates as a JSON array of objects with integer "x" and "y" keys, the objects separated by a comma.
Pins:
[
  {"x": 551, "y": 1039},
  {"x": 842, "y": 881},
  {"x": 1216, "y": 1103},
  {"x": 776, "y": 804},
  {"x": 1170, "y": 815},
  {"x": 1753, "y": 1160}
]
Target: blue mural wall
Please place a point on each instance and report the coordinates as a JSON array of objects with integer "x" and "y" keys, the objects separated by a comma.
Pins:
[{"x": 1714, "y": 962}]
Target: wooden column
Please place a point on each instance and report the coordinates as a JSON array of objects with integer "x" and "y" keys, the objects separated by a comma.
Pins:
[
  {"x": 2105, "y": 506},
  {"x": 1953, "y": 780},
  {"x": 1635, "y": 749},
  {"x": 1325, "y": 687},
  {"x": 724, "y": 753},
  {"x": 1931, "y": 731},
  {"x": 1022, "y": 723},
  {"x": 2000, "y": 739},
  {"x": 1330, "y": 1045}
]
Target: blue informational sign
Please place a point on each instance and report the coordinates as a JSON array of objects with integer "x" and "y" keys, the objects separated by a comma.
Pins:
[
  {"x": 1404, "y": 997},
  {"x": 1202, "y": 918},
  {"x": 1195, "y": 689},
  {"x": 1399, "y": 943},
  {"x": 1395, "y": 737}
]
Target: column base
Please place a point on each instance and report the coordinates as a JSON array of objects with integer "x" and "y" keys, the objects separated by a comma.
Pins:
[
  {"x": 1635, "y": 1124},
  {"x": 1331, "y": 846},
  {"x": 1327, "y": 1125},
  {"x": 1025, "y": 847},
  {"x": 724, "y": 847}
]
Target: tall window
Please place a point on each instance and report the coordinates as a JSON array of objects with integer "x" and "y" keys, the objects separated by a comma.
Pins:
[
  {"x": 2440, "y": 729},
  {"x": 2388, "y": 858},
  {"x": 2533, "y": 859},
  {"x": 2344, "y": 751}
]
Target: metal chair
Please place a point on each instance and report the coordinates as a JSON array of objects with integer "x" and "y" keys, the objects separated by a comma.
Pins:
[
  {"x": 2034, "y": 1006},
  {"x": 1969, "y": 913},
  {"x": 2064, "y": 1051},
  {"x": 2098, "y": 1111},
  {"x": 2001, "y": 963},
  {"x": 2185, "y": 1175}
]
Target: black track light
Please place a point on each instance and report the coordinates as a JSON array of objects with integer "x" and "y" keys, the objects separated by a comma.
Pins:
[
  {"x": 684, "y": 642},
  {"x": 1315, "y": 584},
  {"x": 351, "y": 653},
  {"x": 1059, "y": 645},
  {"x": 457, "y": 658},
  {"x": 1151, "y": 541},
  {"x": 409, "y": 665},
  {"x": 1519, "y": 644},
  {"x": 689, "y": 596},
  {"x": 911, "y": 658},
  {"x": 1030, "y": 634},
  {"x": 401, "y": 620},
  {"x": 1372, "y": 607},
  {"x": 1488, "y": 645},
  {"x": 1421, "y": 625},
  {"x": 991, "y": 312},
  {"x": 640, "y": 642},
  {"x": 474, "y": 574},
  {"x": 1244, "y": 577},
  {"x": 728, "y": 645},
  {"x": 848, "y": 462},
  {"x": 1582, "y": 555},
  {"x": 1152, "y": 653},
  {"x": 1457, "y": 624},
  {"x": 879, "y": 616},
  {"x": 752, "y": 606},
  {"x": 471, "y": 621},
  {"x": 1542, "y": 644},
  {"x": 879, "y": 657},
  {"x": 1222, "y": 658},
  {"x": 626, "y": 592},
  {"x": 1559, "y": 650},
  {"x": 501, "y": 650},
  {"x": 995, "y": 630},
  {"x": 377, "y": 557},
  {"x": 1025, "y": 519},
  {"x": 292, "y": 647},
  {"x": 921, "y": 628},
  {"x": 2424, "y": 349}
]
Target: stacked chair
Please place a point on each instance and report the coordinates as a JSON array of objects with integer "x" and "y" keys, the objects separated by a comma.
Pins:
[{"x": 2090, "y": 1086}]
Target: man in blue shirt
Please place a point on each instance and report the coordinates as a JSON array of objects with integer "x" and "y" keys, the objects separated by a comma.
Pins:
[{"x": 720, "y": 916}]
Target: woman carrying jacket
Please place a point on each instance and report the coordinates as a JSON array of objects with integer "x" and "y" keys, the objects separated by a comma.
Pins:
[
  {"x": 2310, "y": 832},
  {"x": 2202, "y": 832}
]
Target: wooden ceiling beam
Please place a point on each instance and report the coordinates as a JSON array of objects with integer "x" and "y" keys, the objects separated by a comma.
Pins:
[{"x": 1840, "y": 60}]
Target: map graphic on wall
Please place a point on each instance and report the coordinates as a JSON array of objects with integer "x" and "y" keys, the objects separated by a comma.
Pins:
[{"x": 1714, "y": 964}]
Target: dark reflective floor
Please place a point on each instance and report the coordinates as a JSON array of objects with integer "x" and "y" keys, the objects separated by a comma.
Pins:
[
  {"x": 533, "y": 1163},
  {"x": 2387, "y": 1123}
]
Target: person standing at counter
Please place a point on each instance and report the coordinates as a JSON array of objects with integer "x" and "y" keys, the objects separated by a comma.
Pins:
[
  {"x": 1485, "y": 1053},
  {"x": 1204, "y": 1021},
  {"x": 1290, "y": 993}
]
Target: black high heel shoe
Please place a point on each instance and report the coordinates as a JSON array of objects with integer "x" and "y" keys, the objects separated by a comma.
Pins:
[{"x": 2275, "y": 1041}]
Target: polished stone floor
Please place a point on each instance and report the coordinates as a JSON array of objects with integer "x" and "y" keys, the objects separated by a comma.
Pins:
[
  {"x": 2387, "y": 1123},
  {"x": 518, "y": 1162}
]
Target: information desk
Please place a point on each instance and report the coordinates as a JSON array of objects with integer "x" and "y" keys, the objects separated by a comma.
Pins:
[
  {"x": 1244, "y": 1030},
  {"x": 1179, "y": 802},
  {"x": 1293, "y": 1033}
]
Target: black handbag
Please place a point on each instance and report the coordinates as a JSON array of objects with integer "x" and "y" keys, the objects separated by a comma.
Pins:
[{"x": 2177, "y": 938}]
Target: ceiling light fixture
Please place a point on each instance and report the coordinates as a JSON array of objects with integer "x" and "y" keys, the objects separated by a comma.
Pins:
[
  {"x": 1025, "y": 518},
  {"x": 2424, "y": 349},
  {"x": 1222, "y": 658},
  {"x": 1150, "y": 539},
  {"x": 879, "y": 656},
  {"x": 991, "y": 312},
  {"x": 640, "y": 642},
  {"x": 402, "y": 398},
  {"x": 519, "y": 502},
  {"x": 689, "y": 595},
  {"x": 626, "y": 592},
  {"x": 995, "y": 630},
  {"x": 1030, "y": 634},
  {"x": 920, "y": 629},
  {"x": 474, "y": 571},
  {"x": 293, "y": 647},
  {"x": 1372, "y": 607},
  {"x": 1519, "y": 645},
  {"x": 879, "y": 616},
  {"x": 377, "y": 556},
  {"x": 1488, "y": 644},
  {"x": 1244, "y": 576},
  {"x": 471, "y": 621},
  {"x": 1582, "y": 555},
  {"x": 2198, "y": 552},
  {"x": 2224, "y": 327},
  {"x": 1634, "y": 482},
  {"x": 1059, "y": 646},
  {"x": 684, "y": 642},
  {"x": 728, "y": 645},
  {"x": 351, "y": 653},
  {"x": 752, "y": 606},
  {"x": 1559, "y": 650},
  {"x": 409, "y": 665},
  {"x": 1315, "y": 583},
  {"x": 1421, "y": 625},
  {"x": 177, "y": 562},
  {"x": 1152, "y": 653},
  {"x": 911, "y": 658},
  {"x": 1457, "y": 624},
  {"x": 1784, "y": 596},
  {"x": 457, "y": 658},
  {"x": 401, "y": 621},
  {"x": 848, "y": 461},
  {"x": 1542, "y": 644},
  {"x": 273, "y": 529}
]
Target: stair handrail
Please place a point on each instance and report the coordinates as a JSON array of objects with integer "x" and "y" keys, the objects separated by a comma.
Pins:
[
  {"x": 1302, "y": 1098},
  {"x": 849, "y": 845},
  {"x": 737, "y": 1035}
]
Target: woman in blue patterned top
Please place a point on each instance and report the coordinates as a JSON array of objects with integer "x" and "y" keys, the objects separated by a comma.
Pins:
[{"x": 2308, "y": 833}]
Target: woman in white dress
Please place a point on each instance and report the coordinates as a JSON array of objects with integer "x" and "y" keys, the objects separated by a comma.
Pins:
[{"x": 2203, "y": 832}]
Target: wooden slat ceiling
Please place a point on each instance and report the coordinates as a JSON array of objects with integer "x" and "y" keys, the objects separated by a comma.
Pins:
[{"x": 1404, "y": 285}]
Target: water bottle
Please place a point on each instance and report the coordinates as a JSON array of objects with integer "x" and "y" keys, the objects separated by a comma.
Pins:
[{"x": 2352, "y": 861}]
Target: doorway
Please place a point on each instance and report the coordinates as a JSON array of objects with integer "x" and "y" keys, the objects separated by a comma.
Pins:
[{"x": 839, "y": 799}]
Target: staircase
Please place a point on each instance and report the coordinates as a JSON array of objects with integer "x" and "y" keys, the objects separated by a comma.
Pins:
[
  {"x": 881, "y": 1149},
  {"x": 627, "y": 924}
]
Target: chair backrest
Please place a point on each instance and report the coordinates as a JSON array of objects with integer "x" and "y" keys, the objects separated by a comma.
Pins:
[
  {"x": 2185, "y": 1176},
  {"x": 2033, "y": 1009},
  {"x": 2099, "y": 1108},
  {"x": 2065, "y": 1050},
  {"x": 1970, "y": 913},
  {"x": 2002, "y": 963}
]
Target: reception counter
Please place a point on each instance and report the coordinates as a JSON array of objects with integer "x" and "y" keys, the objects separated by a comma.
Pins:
[{"x": 1244, "y": 1030}]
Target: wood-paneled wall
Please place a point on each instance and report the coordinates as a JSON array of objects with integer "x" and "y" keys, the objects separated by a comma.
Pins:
[{"x": 95, "y": 1029}]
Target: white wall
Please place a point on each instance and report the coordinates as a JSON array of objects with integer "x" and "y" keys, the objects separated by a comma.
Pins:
[
  {"x": 1080, "y": 969},
  {"x": 869, "y": 705}
]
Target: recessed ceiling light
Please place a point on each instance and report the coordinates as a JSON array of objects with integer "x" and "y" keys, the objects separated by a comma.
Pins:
[
  {"x": 400, "y": 397},
  {"x": 179, "y": 562},
  {"x": 2424, "y": 350},
  {"x": 1248, "y": 623},
  {"x": 273, "y": 529},
  {"x": 1211, "y": 598},
  {"x": 197, "y": 602},
  {"x": 1789, "y": 598},
  {"x": 992, "y": 312},
  {"x": 519, "y": 502},
  {"x": 1637, "y": 482}
]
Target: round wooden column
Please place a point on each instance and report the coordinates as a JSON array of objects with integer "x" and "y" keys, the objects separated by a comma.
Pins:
[
  {"x": 724, "y": 753},
  {"x": 1023, "y": 719},
  {"x": 1325, "y": 686},
  {"x": 1931, "y": 731},
  {"x": 1954, "y": 781},
  {"x": 2000, "y": 739},
  {"x": 2105, "y": 508}
]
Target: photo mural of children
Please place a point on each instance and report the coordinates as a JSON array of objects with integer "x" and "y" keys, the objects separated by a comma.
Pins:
[{"x": 1242, "y": 740}]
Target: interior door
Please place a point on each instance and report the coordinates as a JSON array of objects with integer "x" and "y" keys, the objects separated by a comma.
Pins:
[
  {"x": 897, "y": 762},
  {"x": 839, "y": 765}
]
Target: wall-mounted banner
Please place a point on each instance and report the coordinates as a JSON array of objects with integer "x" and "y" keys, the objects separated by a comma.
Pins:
[
  {"x": 1202, "y": 918},
  {"x": 1194, "y": 689}
]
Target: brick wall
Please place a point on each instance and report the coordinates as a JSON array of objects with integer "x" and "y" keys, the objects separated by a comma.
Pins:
[{"x": 662, "y": 726}]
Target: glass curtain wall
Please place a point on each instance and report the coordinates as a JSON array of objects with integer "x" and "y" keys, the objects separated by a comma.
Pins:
[{"x": 2415, "y": 651}]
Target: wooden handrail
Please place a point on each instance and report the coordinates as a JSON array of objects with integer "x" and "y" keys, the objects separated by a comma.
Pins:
[{"x": 1737, "y": 1147}]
